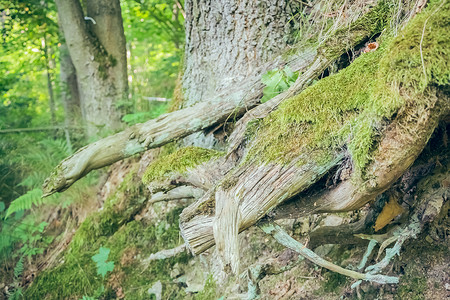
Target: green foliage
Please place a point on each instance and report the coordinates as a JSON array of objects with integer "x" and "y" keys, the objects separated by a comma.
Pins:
[
  {"x": 25, "y": 202},
  {"x": 18, "y": 269},
  {"x": 139, "y": 237},
  {"x": 178, "y": 162},
  {"x": 155, "y": 110},
  {"x": 25, "y": 233},
  {"x": 334, "y": 282},
  {"x": 277, "y": 81},
  {"x": 16, "y": 295},
  {"x": 155, "y": 35},
  {"x": 100, "y": 259}
]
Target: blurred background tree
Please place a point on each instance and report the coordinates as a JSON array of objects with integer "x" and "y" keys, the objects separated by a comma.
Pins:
[{"x": 41, "y": 120}]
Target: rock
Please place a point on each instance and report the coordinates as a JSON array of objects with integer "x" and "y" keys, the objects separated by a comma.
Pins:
[{"x": 156, "y": 289}]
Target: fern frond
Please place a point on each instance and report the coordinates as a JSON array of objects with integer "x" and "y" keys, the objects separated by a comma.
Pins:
[
  {"x": 25, "y": 201},
  {"x": 18, "y": 269}
]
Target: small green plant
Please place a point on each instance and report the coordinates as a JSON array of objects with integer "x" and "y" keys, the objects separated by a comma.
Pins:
[
  {"x": 154, "y": 111},
  {"x": 100, "y": 259},
  {"x": 103, "y": 267},
  {"x": 277, "y": 81}
]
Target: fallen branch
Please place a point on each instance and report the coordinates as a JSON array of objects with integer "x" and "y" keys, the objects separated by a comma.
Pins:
[{"x": 166, "y": 128}]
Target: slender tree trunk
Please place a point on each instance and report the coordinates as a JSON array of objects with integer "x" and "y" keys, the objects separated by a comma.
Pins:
[
  {"x": 51, "y": 94},
  {"x": 69, "y": 93},
  {"x": 96, "y": 44}
]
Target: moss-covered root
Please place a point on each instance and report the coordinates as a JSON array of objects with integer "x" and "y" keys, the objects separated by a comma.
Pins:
[
  {"x": 351, "y": 108},
  {"x": 178, "y": 163}
]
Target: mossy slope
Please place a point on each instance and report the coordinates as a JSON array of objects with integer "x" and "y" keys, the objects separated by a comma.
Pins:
[{"x": 129, "y": 240}]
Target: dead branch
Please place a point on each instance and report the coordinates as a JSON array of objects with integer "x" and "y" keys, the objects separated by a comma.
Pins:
[
  {"x": 178, "y": 193},
  {"x": 166, "y": 128},
  {"x": 164, "y": 254}
]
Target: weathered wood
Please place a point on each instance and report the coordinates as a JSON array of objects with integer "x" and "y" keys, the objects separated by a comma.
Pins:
[
  {"x": 260, "y": 188},
  {"x": 256, "y": 189},
  {"x": 164, "y": 254},
  {"x": 166, "y": 128},
  {"x": 178, "y": 193}
]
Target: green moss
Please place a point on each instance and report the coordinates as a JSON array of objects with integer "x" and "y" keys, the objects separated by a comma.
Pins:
[
  {"x": 209, "y": 291},
  {"x": 429, "y": 30},
  {"x": 365, "y": 27},
  {"x": 334, "y": 282},
  {"x": 77, "y": 276},
  {"x": 348, "y": 109},
  {"x": 178, "y": 162},
  {"x": 412, "y": 287}
]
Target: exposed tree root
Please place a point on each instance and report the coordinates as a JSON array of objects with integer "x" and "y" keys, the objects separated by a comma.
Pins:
[
  {"x": 285, "y": 239},
  {"x": 178, "y": 193}
]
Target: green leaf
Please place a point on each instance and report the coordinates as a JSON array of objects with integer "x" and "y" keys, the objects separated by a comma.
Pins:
[
  {"x": 102, "y": 255},
  {"x": 289, "y": 73},
  {"x": 277, "y": 81},
  {"x": 2, "y": 206},
  {"x": 100, "y": 259},
  {"x": 25, "y": 201},
  {"x": 272, "y": 78}
]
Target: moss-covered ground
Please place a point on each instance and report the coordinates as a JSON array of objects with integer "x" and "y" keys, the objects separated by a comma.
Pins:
[{"x": 129, "y": 240}]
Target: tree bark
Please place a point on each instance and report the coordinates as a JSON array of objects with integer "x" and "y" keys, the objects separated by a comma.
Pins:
[
  {"x": 97, "y": 49},
  {"x": 227, "y": 41},
  {"x": 69, "y": 85}
]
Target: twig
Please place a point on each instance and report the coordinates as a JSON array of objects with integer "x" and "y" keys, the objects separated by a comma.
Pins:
[{"x": 164, "y": 254}]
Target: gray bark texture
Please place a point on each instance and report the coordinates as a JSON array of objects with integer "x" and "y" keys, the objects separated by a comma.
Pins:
[
  {"x": 69, "y": 87},
  {"x": 227, "y": 41},
  {"x": 97, "y": 49}
]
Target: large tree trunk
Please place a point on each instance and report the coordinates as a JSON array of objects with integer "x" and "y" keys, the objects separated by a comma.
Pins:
[
  {"x": 97, "y": 48},
  {"x": 227, "y": 41}
]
